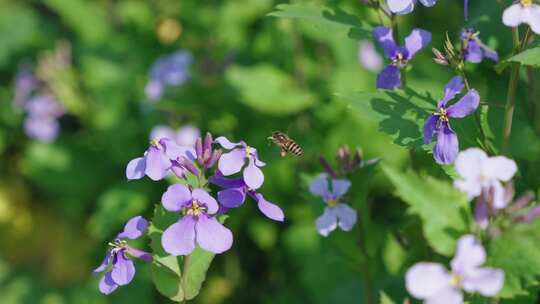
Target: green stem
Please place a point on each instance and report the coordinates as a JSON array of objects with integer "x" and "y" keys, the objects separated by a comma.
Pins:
[
  {"x": 476, "y": 113},
  {"x": 183, "y": 279},
  {"x": 366, "y": 277}
]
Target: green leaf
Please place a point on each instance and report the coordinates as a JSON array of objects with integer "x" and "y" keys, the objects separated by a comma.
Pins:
[
  {"x": 18, "y": 27},
  {"x": 517, "y": 252},
  {"x": 332, "y": 20},
  {"x": 269, "y": 90},
  {"x": 530, "y": 57},
  {"x": 442, "y": 208},
  {"x": 385, "y": 299}
]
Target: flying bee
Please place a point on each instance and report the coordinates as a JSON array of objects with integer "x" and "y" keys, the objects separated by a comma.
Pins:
[{"x": 285, "y": 143}]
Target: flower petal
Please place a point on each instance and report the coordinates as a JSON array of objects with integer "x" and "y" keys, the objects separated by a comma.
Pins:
[
  {"x": 447, "y": 147},
  {"x": 142, "y": 255},
  {"x": 232, "y": 197},
  {"x": 513, "y": 15},
  {"x": 104, "y": 264},
  {"x": 327, "y": 222},
  {"x": 176, "y": 197},
  {"x": 212, "y": 235},
  {"x": 106, "y": 284},
  {"x": 490, "y": 53},
  {"x": 232, "y": 162},
  {"x": 428, "y": 3},
  {"x": 469, "y": 163},
  {"x": 346, "y": 216},
  {"x": 486, "y": 281},
  {"x": 500, "y": 167},
  {"x": 532, "y": 17},
  {"x": 253, "y": 176},
  {"x": 452, "y": 88},
  {"x": 319, "y": 186},
  {"x": 205, "y": 198},
  {"x": 465, "y": 106},
  {"x": 270, "y": 210},
  {"x": 400, "y": 7},
  {"x": 424, "y": 280},
  {"x": 500, "y": 200},
  {"x": 430, "y": 126},
  {"x": 160, "y": 131},
  {"x": 417, "y": 40},
  {"x": 157, "y": 164},
  {"x": 123, "y": 269},
  {"x": 473, "y": 53},
  {"x": 481, "y": 213},
  {"x": 389, "y": 78},
  {"x": 368, "y": 56},
  {"x": 383, "y": 35},
  {"x": 134, "y": 228},
  {"x": 179, "y": 238},
  {"x": 469, "y": 255},
  {"x": 136, "y": 168},
  {"x": 225, "y": 143},
  {"x": 448, "y": 295},
  {"x": 340, "y": 187}
]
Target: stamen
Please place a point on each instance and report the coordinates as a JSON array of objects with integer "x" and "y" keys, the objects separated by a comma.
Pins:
[
  {"x": 455, "y": 280},
  {"x": 526, "y": 3},
  {"x": 332, "y": 202},
  {"x": 195, "y": 209}
]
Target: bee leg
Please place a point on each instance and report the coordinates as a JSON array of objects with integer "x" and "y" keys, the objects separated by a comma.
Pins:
[{"x": 283, "y": 153}]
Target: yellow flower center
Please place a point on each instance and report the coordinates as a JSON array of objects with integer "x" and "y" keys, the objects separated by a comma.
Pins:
[
  {"x": 195, "y": 209},
  {"x": 155, "y": 142},
  {"x": 332, "y": 202},
  {"x": 443, "y": 116},
  {"x": 526, "y": 3},
  {"x": 399, "y": 60},
  {"x": 249, "y": 151},
  {"x": 118, "y": 244},
  {"x": 455, "y": 280}
]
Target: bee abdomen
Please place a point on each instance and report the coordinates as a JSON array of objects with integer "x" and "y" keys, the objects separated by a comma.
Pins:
[{"x": 293, "y": 148}]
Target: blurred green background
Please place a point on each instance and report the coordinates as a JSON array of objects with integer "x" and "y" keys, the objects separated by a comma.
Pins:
[{"x": 61, "y": 202}]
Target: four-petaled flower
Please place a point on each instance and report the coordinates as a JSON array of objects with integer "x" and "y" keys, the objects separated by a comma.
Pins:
[
  {"x": 474, "y": 50},
  {"x": 197, "y": 226},
  {"x": 122, "y": 270},
  {"x": 336, "y": 213},
  {"x": 433, "y": 283},
  {"x": 390, "y": 77},
  {"x": 402, "y": 7},
  {"x": 482, "y": 175},
  {"x": 447, "y": 146},
  {"x": 523, "y": 11},
  {"x": 233, "y": 161}
]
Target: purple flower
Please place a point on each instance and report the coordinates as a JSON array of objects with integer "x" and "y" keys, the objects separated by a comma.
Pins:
[
  {"x": 187, "y": 136},
  {"x": 438, "y": 123},
  {"x": 402, "y": 7},
  {"x": 42, "y": 120},
  {"x": 161, "y": 131},
  {"x": 157, "y": 160},
  {"x": 197, "y": 226},
  {"x": 433, "y": 283},
  {"x": 44, "y": 106},
  {"x": 390, "y": 77},
  {"x": 336, "y": 213},
  {"x": 235, "y": 193},
  {"x": 368, "y": 56},
  {"x": 523, "y": 11},
  {"x": 122, "y": 270},
  {"x": 233, "y": 162},
  {"x": 482, "y": 175},
  {"x": 473, "y": 48},
  {"x": 25, "y": 84},
  {"x": 169, "y": 70}
]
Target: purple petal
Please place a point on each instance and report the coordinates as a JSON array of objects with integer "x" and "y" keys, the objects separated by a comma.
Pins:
[
  {"x": 205, "y": 198},
  {"x": 157, "y": 164},
  {"x": 465, "y": 106},
  {"x": 136, "y": 168},
  {"x": 154, "y": 90},
  {"x": 340, "y": 187},
  {"x": 212, "y": 235},
  {"x": 134, "y": 228},
  {"x": 104, "y": 264},
  {"x": 176, "y": 197},
  {"x": 173, "y": 150},
  {"x": 232, "y": 197},
  {"x": 383, "y": 35},
  {"x": 218, "y": 180},
  {"x": 142, "y": 255},
  {"x": 424, "y": 280},
  {"x": 481, "y": 213},
  {"x": 123, "y": 269},
  {"x": 473, "y": 53},
  {"x": 486, "y": 281},
  {"x": 400, "y": 7},
  {"x": 106, "y": 284},
  {"x": 447, "y": 147},
  {"x": 270, "y": 210},
  {"x": 389, "y": 78},
  {"x": 346, "y": 216},
  {"x": 187, "y": 136},
  {"x": 368, "y": 56},
  {"x": 417, "y": 40},
  {"x": 44, "y": 129},
  {"x": 179, "y": 238},
  {"x": 499, "y": 198},
  {"x": 253, "y": 176},
  {"x": 430, "y": 126},
  {"x": 452, "y": 88},
  {"x": 232, "y": 162},
  {"x": 469, "y": 254},
  {"x": 490, "y": 53},
  {"x": 225, "y": 143},
  {"x": 319, "y": 186},
  {"x": 159, "y": 132},
  {"x": 327, "y": 222},
  {"x": 428, "y": 3}
]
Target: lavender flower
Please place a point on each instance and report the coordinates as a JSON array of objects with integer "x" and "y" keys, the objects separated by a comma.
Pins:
[
  {"x": 447, "y": 146},
  {"x": 233, "y": 162},
  {"x": 170, "y": 70},
  {"x": 42, "y": 120},
  {"x": 390, "y": 78},
  {"x": 157, "y": 160},
  {"x": 197, "y": 226},
  {"x": 336, "y": 213},
  {"x": 432, "y": 283},
  {"x": 235, "y": 193},
  {"x": 482, "y": 175},
  {"x": 161, "y": 131},
  {"x": 523, "y": 11},
  {"x": 185, "y": 136},
  {"x": 368, "y": 56},
  {"x": 402, "y": 7},
  {"x": 122, "y": 270},
  {"x": 25, "y": 84},
  {"x": 473, "y": 48}
]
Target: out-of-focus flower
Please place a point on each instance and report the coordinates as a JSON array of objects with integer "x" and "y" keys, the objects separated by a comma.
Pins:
[
  {"x": 402, "y": 7},
  {"x": 336, "y": 213},
  {"x": 447, "y": 146},
  {"x": 234, "y": 195},
  {"x": 157, "y": 160},
  {"x": 42, "y": 120},
  {"x": 474, "y": 50},
  {"x": 368, "y": 56},
  {"x": 483, "y": 175},
  {"x": 523, "y": 11},
  {"x": 233, "y": 162},
  {"x": 44, "y": 106},
  {"x": 122, "y": 270},
  {"x": 187, "y": 136},
  {"x": 433, "y": 283},
  {"x": 172, "y": 70},
  {"x": 197, "y": 226},
  {"x": 161, "y": 131},
  {"x": 390, "y": 77},
  {"x": 25, "y": 84}
]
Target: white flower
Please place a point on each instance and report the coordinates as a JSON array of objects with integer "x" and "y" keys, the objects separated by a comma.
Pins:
[
  {"x": 524, "y": 11},
  {"x": 402, "y": 7}
]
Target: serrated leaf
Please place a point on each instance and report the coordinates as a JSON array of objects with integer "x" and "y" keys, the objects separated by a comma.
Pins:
[
  {"x": 269, "y": 90},
  {"x": 517, "y": 252},
  {"x": 442, "y": 209},
  {"x": 333, "y": 20}
]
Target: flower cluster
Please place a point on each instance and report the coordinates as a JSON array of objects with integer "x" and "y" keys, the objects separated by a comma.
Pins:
[{"x": 171, "y": 70}]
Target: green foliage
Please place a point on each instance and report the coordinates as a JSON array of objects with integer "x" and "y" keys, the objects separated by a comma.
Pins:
[
  {"x": 18, "y": 29},
  {"x": 530, "y": 57}
]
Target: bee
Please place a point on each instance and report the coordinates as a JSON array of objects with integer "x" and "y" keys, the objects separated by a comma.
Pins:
[{"x": 285, "y": 143}]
